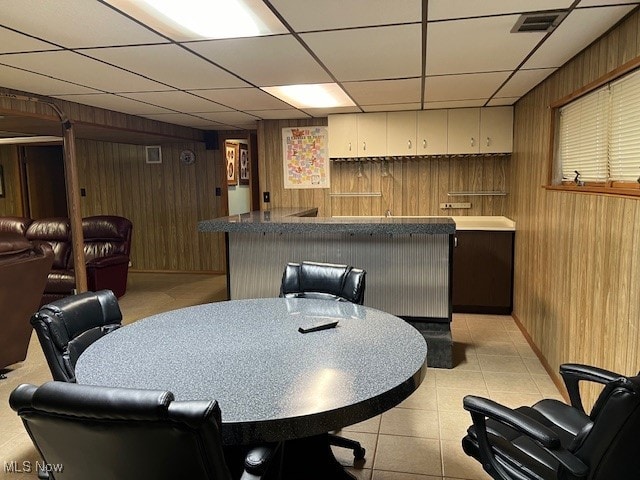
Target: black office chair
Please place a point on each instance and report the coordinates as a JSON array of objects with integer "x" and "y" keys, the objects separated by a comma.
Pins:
[
  {"x": 552, "y": 440},
  {"x": 106, "y": 433},
  {"x": 68, "y": 326},
  {"x": 326, "y": 281}
]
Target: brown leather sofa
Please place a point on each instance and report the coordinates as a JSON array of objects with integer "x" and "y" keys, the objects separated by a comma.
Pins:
[
  {"x": 24, "y": 266},
  {"x": 17, "y": 225},
  {"x": 107, "y": 244}
]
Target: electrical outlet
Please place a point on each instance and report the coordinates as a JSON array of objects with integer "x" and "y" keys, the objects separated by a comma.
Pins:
[{"x": 445, "y": 206}]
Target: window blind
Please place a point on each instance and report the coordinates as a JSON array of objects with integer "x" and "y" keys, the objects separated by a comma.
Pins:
[{"x": 624, "y": 136}]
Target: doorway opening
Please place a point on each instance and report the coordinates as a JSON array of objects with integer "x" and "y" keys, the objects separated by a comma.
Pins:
[{"x": 43, "y": 181}]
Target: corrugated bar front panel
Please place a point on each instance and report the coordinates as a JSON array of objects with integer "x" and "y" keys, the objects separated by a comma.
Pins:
[{"x": 407, "y": 275}]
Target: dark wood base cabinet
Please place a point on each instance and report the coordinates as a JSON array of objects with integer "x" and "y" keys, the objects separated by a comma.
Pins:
[{"x": 483, "y": 272}]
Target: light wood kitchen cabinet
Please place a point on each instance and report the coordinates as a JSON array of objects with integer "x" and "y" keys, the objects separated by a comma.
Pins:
[
  {"x": 401, "y": 133},
  {"x": 372, "y": 134},
  {"x": 496, "y": 130},
  {"x": 431, "y": 132},
  {"x": 463, "y": 130},
  {"x": 343, "y": 136}
]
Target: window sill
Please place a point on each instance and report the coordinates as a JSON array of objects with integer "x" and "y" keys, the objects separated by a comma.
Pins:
[{"x": 590, "y": 189}]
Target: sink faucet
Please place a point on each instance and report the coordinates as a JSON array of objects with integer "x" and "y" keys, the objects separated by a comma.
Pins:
[{"x": 388, "y": 213}]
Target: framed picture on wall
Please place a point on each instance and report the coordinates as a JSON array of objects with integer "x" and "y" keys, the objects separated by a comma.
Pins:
[
  {"x": 245, "y": 168},
  {"x": 231, "y": 156}
]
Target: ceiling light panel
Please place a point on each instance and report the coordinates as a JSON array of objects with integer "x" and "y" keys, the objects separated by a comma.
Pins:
[
  {"x": 335, "y": 14},
  {"x": 463, "y": 87},
  {"x": 326, "y": 95},
  {"x": 35, "y": 83},
  {"x": 65, "y": 65},
  {"x": 75, "y": 23},
  {"x": 243, "y": 99},
  {"x": 264, "y": 61},
  {"x": 179, "y": 101},
  {"x": 379, "y": 92},
  {"x": 168, "y": 64},
  {"x": 450, "y": 9},
  {"x": 477, "y": 45},
  {"x": 370, "y": 53},
  {"x": 577, "y": 31}
]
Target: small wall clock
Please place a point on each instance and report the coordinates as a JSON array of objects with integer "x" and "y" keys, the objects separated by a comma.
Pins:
[{"x": 187, "y": 157}]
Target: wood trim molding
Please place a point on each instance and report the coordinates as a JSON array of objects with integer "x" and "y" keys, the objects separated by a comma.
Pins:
[{"x": 592, "y": 190}]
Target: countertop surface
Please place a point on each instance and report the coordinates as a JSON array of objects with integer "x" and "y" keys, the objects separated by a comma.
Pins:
[{"x": 272, "y": 382}]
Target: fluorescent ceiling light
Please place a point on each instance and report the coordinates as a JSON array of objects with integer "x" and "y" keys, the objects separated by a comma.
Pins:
[
  {"x": 203, "y": 19},
  {"x": 319, "y": 95}
]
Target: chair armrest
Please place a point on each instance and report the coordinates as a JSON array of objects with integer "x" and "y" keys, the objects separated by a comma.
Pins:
[
  {"x": 574, "y": 373},
  {"x": 258, "y": 460},
  {"x": 482, "y": 408},
  {"x": 102, "y": 262}
]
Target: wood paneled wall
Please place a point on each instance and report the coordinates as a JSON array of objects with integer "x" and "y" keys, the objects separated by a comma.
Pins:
[
  {"x": 577, "y": 260},
  {"x": 11, "y": 203},
  {"x": 412, "y": 187}
]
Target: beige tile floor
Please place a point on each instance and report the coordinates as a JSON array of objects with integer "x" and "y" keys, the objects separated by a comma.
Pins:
[{"x": 417, "y": 440}]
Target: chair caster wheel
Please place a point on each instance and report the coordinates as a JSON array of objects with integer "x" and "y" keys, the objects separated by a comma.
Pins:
[{"x": 358, "y": 453}]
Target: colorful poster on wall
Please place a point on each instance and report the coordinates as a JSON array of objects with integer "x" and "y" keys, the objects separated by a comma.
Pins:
[{"x": 305, "y": 157}]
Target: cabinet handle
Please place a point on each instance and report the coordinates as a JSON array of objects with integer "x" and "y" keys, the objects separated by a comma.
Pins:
[
  {"x": 349, "y": 146},
  {"x": 455, "y": 241},
  {"x": 364, "y": 146},
  {"x": 488, "y": 141},
  {"x": 424, "y": 143},
  {"x": 473, "y": 142},
  {"x": 409, "y": 144}
]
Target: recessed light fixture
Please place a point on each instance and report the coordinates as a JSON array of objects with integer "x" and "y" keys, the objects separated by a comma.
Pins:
[
  {"x": 203, "y": 19},
  {"x": 317, "y": 95}
]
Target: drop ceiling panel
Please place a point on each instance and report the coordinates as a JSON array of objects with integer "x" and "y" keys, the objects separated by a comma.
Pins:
[
  {"x": 264, "y": 61},
  {"x": 463, "y": 87},
  {"x": 323, "y": 112},
  {"x": 477, "y": 45},
  {"x": 75, "y": 23},
  {"x": 384, "y": 91},
  {"x": 169, "y": 64},
  {"x": 594, "y": 3},
  {"x": 335, "y": 14},
  {"x": 399, "y": 107},
  {"x": 176, "y": 100},
  {"x": 184, "y": 119},
  {"x": 114, "y": 102},
  {"x": 16, "y": 42},
  {"x": 278, "y": 114},
  {"x": 370, "y": 53},
  {"x": 523, "y": 81},
  {"x": 443, "y": 9},
  {"x": 244, "y": 99},
  {"x": 230, "y": 118},
  {"x": 500, "y": 102},
  {"x": 455, "y": 104},
  {"x": 576, "y": 32},
  {"x": 65, "y": 65},
  {"x": 35, "y": 83}
]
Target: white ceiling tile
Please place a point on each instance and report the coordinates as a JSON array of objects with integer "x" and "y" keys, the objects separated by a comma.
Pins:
[
  {"x": 477, "y": 45},
  {"x": 463, "y": 87},
  {"x": 231, "y": 118},
  {"x": 244, "y": 99},
  {"x": 76, "y": 68},
  {"x": 114, "y": 102},
  {"x": 334, "y": 14},
  {"x": 443, "y": 9},
  {"x": 168, "y": 64},
  {"x": 278, "y": 114},
  {"x": 577, "y": 31},
  {"x": 455, "y": 104},
  {"x": 179, "y": 101},
  {"x": 16, "y": 42},
  {"x": 523, "y": 81},
  {"x": 75, "y": 23},
  {"x": 501, "y": 102},
  {"x": 264, "y": 61},
  {"x": 394, "y": 107},
  {"x": 370, "y": 53},
  {"x": 596, "y": 3},
  {"x": 35, "y": 83},
  {"x": 183, "y": 119},
  {"x": 323, "y": 112},
  {"x": 379, "y": 92}
]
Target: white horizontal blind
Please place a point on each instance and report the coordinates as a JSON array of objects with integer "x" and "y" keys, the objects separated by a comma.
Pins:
[
  {"x": 583, "y": 137},
  {"x": 624, "y": 137}
]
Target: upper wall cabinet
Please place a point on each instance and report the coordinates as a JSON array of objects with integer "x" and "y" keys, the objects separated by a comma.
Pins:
[
  {"x": 358, "y": 135},
  {"x": 461, "y": 131}
]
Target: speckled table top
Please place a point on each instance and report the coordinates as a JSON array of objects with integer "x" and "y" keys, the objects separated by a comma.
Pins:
[
  {"x": 297, "y": 221},
  {"x": 272, "y": 382}
]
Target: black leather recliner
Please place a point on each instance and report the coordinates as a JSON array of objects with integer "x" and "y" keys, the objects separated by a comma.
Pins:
[
  {"x": 323, "y": 281},
  {"x": 68, "y": 326},
  {"x": 326, "y": 281},
  {"x": 126, "y": 434},
  {"x": 553, "y": 441}
]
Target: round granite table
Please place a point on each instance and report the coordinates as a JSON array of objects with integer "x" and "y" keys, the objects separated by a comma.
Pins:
[{"x": 272, "y": 382}]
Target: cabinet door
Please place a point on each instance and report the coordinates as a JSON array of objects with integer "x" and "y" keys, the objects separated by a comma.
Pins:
[
  {"x": 463, "y": 130},
  {"x": 432, "y": 132},
  {"x": 401, "y": 133},
  {"x": 496, "y": 130},
  {"x": 372, "y": 134},
  {"x": 343, "y": 136}
]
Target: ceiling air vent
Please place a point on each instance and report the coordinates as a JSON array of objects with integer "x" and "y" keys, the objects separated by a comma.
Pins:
[{"x": 538, "y": 22}]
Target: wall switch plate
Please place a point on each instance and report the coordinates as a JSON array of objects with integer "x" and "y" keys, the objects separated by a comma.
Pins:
[
  {"x": 266, "y": 197},
  {"x": 218, "y": 192},
  {"x": 445, "y": 206}
]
